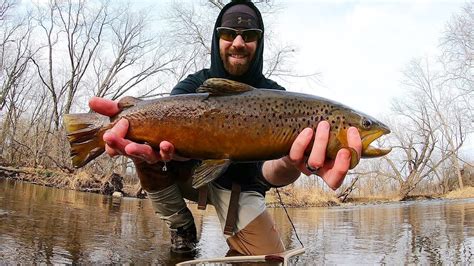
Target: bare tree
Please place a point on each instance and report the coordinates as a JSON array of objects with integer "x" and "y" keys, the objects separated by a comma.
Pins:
[
  {"x": 190, "y": 31},
  {"x": 138, "y": 55},
  {"x": 5, "y": 7},
  {"x": 15, "y": 54},
  {"x": 425, "y": 138},
  {"x": 73, "y": 32},
  {"x": 458, "y": 48},
  {"x": 15, "y": 51}
]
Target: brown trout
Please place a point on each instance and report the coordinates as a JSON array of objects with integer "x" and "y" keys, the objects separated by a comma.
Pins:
[{"x": 225, "y": 121}]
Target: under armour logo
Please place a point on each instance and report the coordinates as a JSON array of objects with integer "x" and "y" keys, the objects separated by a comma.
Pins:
[{"x": 240, "y": 20}]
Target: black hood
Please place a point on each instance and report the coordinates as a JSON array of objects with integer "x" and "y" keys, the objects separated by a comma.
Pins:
[{"x": 254, "y": 75}]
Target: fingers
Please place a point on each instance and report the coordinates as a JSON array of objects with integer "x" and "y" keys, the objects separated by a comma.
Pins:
[
  {"x": 117, "y": 144},
  {"x": 296, "y": 155},
  {"x": 318, "y": 151},
  {"x": 353, "y": 140},
  {"x": 104, "y": 106},
  {"x": 142, "y": 152},
  {"x": 166, "y": 151},
  {"x": 114, "y": 138},
  {"x": 334, "y": 172}
]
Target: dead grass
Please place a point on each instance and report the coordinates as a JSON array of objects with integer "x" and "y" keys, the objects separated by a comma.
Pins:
[
  {"x": 81, "y": 180},
  {"x": 302, "y": 197},
  {"x": 467, "y": 192},
  {"x": 371, "y": 199}
]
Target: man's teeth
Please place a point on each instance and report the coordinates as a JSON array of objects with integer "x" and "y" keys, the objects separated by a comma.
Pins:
[{"x": 238, "y": 56}]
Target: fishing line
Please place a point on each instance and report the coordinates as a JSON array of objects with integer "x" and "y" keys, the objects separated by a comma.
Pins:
[{"x": 289, "y": 218}]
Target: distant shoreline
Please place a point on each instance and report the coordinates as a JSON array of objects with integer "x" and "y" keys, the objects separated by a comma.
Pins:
[{"x": 108, "y": 184}]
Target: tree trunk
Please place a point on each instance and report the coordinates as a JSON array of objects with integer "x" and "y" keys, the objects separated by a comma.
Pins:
[
  {"x": 405, "y": 189},
  {"x": 345, "y": 194},
  {"x": 458, "y": 171}
]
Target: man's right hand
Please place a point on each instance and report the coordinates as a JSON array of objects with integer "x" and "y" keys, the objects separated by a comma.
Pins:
[{"x": 117, "y": 144}]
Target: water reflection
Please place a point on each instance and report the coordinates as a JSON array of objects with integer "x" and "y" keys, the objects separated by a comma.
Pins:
[
  {"x": 429, "y": 232},
  {"x": 45, "y": 225}
]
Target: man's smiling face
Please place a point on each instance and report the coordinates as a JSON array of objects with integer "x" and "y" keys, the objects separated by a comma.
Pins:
[{"x": 237, "y": 55}]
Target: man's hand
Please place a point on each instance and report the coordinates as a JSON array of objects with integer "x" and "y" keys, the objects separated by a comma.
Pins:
[
  {"x": 287, "y": 169},
  {"x": 117, "y": 144}
]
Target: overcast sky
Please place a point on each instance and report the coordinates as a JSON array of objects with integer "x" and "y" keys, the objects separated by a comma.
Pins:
[{"x": 361, "y": 47}]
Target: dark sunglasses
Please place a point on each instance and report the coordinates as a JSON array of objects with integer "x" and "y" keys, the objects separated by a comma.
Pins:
[{"x": 229, "y": 34}]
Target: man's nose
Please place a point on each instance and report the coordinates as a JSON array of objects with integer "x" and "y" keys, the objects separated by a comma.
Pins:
[{"x": 238, "y": 41}]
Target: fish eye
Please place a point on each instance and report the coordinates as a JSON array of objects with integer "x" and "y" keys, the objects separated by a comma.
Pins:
[{"x": 366, "y": 123}]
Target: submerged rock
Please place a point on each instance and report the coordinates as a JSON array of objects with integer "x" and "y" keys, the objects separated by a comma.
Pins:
[{"x": 117, "y": 194}]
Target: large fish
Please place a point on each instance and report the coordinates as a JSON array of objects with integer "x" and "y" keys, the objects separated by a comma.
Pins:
[{"x": 225, "y": 121}]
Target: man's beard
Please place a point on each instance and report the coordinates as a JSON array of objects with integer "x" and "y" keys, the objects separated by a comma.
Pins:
[{"x": 236, "y": 69}]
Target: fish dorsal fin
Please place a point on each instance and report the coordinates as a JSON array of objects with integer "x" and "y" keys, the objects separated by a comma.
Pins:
[
  {"x": 127, "y": 102},
  {"x": 208, "y": 171},
  {"x": 220, "y": 87}
]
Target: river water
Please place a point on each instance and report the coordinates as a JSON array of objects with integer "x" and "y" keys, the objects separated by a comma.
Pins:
[{"x": 46, "y": 225}]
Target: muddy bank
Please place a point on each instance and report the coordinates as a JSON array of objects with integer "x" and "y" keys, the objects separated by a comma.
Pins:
[{"x": 81, "y": 181}]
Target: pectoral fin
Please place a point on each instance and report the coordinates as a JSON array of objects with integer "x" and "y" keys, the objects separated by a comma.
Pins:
[{"x": 208, "y": 171}]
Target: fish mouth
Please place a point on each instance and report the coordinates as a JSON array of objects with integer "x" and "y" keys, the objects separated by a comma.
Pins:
[{"x": 369, "y": 151}]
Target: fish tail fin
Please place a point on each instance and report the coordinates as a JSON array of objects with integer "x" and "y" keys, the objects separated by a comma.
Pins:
[{"x": 84, "y": 133}]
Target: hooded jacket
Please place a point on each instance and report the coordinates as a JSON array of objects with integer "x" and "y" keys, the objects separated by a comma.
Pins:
[{"x": 248, "y": 175}]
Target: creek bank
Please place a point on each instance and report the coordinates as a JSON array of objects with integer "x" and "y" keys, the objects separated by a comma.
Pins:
[
  {"x": 79, "y": 181},
  {"x": 290, "y": 196}
]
